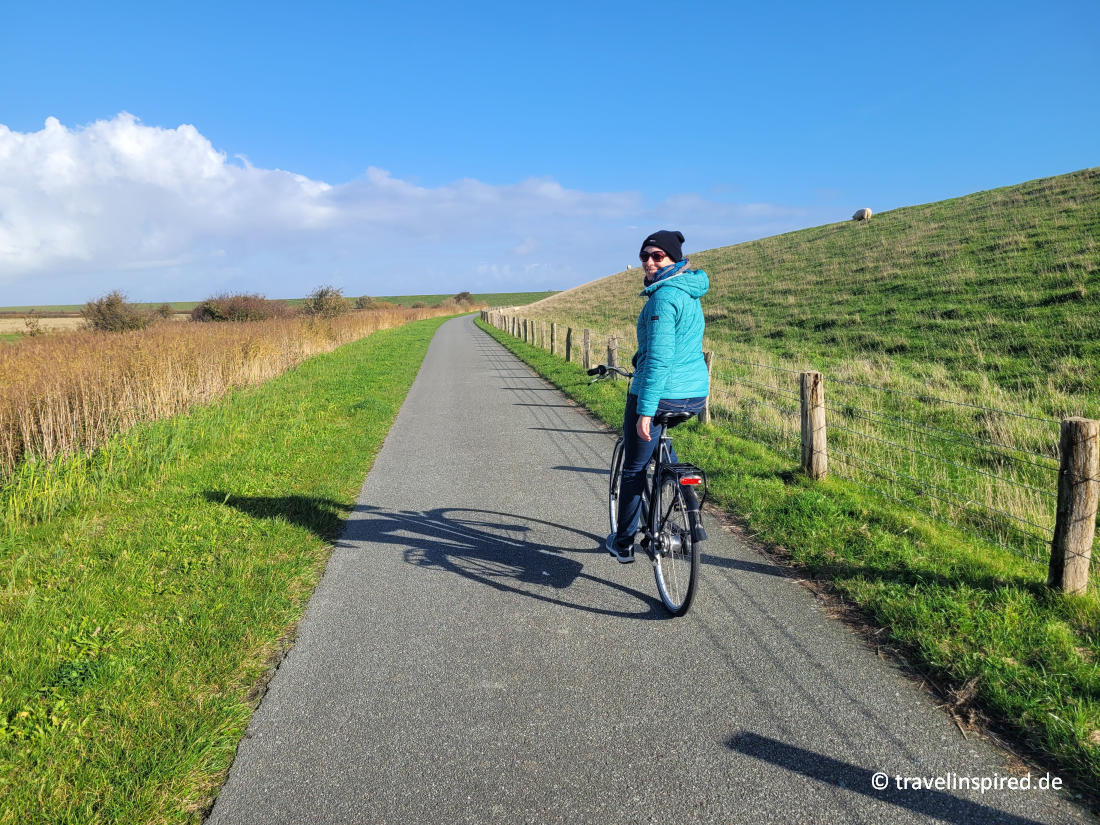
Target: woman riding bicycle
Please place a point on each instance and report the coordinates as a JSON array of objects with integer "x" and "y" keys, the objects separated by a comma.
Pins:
[{"x": 670, "y": 374}]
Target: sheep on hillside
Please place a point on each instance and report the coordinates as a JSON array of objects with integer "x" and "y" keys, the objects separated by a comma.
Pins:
[{"x": 863, "y": 214}]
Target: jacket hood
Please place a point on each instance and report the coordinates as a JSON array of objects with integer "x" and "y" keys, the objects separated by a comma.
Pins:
[{"x": 692, "y": 281}]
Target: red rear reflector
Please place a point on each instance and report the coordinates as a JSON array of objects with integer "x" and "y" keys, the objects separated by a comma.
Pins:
[{"x": 691, "y": 480}]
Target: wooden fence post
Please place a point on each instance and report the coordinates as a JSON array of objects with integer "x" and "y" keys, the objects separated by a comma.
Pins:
[
  {"x": 1078, "y": 492},
  {"x": 587, "y": 351},
  {"x": 814, "y": 452},
  {"x": 613, "y": 355},
  {"x": 704, "y": 416},
  {"x": 569, "y": 343},
  {"x": 553, "y": 338}
]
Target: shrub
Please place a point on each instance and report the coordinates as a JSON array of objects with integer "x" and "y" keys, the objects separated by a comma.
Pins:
[
  {"x": 419, "y": 305},
  {"x": 163, "y": 312},
  {"x": 364, "y": 302},
  {"x": 113, "y": 313},
  {"x": 33, "y": 324},
  {"x": 463, "y": 298},
  {"x": 242, "y": 307},
  {"x": 326, "y": 302}
]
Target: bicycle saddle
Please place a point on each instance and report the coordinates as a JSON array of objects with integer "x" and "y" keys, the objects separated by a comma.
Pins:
[{"x": 671, "y": 419}]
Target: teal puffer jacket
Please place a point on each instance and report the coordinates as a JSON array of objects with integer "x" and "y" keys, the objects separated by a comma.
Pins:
[{"x": 669, "y": 362}]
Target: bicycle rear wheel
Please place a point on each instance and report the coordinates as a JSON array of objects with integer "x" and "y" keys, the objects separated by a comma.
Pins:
[
  {"x": 676, "y": 556},
  {"x": 613, "y": 485}
]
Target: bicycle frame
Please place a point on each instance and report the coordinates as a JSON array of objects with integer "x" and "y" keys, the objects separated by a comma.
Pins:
[{"x": 687, "y": 475}]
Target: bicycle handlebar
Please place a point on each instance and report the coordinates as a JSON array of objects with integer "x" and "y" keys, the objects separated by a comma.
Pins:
[{"x": 602, "y": 370}]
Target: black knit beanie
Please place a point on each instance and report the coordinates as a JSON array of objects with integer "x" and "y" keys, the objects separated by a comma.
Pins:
[{"x": 668, "y": 240}]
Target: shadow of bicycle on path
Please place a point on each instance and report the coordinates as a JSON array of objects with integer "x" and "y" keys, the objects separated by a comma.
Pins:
[{"x": 507, "y": 552}]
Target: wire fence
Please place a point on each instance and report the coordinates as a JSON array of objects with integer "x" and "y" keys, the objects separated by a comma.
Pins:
[
  {"x": 990, "y": 472},
  {"x": 959, "y": 468}
]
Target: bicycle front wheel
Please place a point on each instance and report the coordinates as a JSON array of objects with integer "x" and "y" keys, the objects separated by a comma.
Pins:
[
  {"x": 614, "y": 483},
  {"x": 676, "y": 556}
]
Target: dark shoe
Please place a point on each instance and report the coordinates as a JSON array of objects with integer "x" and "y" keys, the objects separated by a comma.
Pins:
[{"x": 622, "y": 554}]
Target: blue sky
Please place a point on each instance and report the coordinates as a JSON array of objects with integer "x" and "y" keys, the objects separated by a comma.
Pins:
[{"x": 399, "y": 148}]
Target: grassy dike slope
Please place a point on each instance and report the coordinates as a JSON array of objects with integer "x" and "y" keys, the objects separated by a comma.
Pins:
[
  {"x": 140, "y": 618},
  {"x": 996, "y": 289}
]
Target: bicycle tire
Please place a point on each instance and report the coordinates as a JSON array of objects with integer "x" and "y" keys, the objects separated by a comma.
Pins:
[
  {"x": 674, "y": 520},
  {"x": 614, "y": 483}
]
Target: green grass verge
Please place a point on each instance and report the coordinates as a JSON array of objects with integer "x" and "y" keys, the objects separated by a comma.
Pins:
[
  {"x": 157, "y": 580},
  {"x": 975, "y": 618},
  {"x": 10, "y": 336}
]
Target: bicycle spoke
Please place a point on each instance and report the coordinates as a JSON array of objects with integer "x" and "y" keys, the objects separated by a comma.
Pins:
[{"x": 677, "y": 559}]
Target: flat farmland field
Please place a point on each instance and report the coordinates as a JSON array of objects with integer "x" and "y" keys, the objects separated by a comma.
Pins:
[{"x": 15, "y": 325}]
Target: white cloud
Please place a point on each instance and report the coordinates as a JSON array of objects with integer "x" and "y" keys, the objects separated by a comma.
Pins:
[{"x": 163, "y": 214}]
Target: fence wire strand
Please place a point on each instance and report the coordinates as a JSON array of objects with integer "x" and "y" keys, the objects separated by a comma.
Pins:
[
  {"x": 777, "y": 390},
  {"x": 962, "y": 467},
  {"x": 785, "y": 410},
  {"x": 927, "y": 398},
  {"x": 761, "y": 366},
  {"x": 897, "y": 476},
  {"x": 911, "y": 506},
  {"x": 963, "y": 438}
]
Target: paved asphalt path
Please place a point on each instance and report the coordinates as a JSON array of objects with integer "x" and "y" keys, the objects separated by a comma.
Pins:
[{"x": 472, "y": 655}]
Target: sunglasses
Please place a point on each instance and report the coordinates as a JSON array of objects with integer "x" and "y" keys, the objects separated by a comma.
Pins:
[{"x": 656, "y": 257}]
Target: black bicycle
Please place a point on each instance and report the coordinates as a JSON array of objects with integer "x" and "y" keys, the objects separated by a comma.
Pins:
[{"x": 672, "y": 517}]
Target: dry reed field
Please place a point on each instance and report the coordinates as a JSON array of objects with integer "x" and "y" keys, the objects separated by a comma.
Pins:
[{"x": 69, "y": 392}]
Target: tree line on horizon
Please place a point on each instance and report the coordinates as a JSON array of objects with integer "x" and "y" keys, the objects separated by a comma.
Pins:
[{"x": 114, "y": 312}]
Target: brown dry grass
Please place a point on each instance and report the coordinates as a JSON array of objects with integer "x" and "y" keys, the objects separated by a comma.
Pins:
[{"x": 69, "y": 392}]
